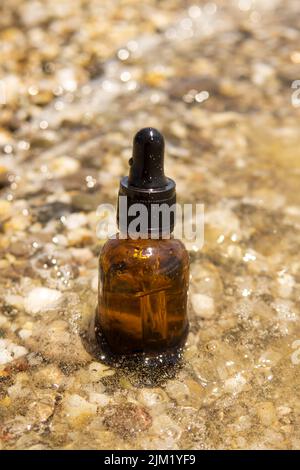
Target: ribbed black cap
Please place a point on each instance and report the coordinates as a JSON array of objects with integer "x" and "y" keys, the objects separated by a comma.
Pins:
[{"x": 147, "y": 183}]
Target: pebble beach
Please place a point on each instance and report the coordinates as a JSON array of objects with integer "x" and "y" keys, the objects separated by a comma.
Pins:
[{"x": 77, "y": 80}]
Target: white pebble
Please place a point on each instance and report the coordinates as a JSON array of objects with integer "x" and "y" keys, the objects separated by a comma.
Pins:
[
  {"x": 177, "y": 390},
  {"x": 10, "y": 351},
  {"x": 269, "y": 358},
  {"x": 223, "y": 219},
  {"x": 203, "y": 305},
  {"x": 152, "y": 397},
  {"x": 283, "y": 410},
  {"x": 63, "y": 166},
  {"x": 40, "y": 299},
  {"x": 75, "y": 406},
  {"x": 164, "y": 426},
  {"x": 99, "y": 399},
  {"x": 15, "y": 300},
  {"x": 286, "y": 310},
  {"x": 25, "y": 334},
  {"x": 286, "y": 284},
  {"x": 235, "y": 384},
  {"x": 75, "y": 220},
  {"x": 295, "y": 357}
]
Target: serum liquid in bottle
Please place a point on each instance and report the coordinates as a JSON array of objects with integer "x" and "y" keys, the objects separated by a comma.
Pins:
[{"x": 144, "y": 272}]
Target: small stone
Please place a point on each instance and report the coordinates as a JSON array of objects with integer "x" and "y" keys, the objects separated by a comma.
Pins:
[
  {"x": 10, "y": 351},
  {"x": 187, "y": 393},
  {"x": 205, "y": 279},
  {"x": 224, "y": 220},
  {"x": 57, "y": 341},
  {"x": 266, "y": 412},
  {"x": 283, "y": 410},
  {"x": 49, "y": 376},
  {"x": 63, "y": 166},
  {"x": 80, "y": 237},
  {"x": 75, "y": 220},
  {"x": 99, "y": 399},
  {"x": 286, "y": 284},
  {"x": 285, "y": 309},
  {"x": 77, "y": 407},
  {"x": 81, "y": 255},
  {"x": 85, "y": 178},
  {"x": 269, "y": 358},
  {"x": 15, "y": 427},
  {"x": 18, "y": 223},
  {"x": 98, "y": 371},
  {"x": 41, "y": 299},
  {"x": 25, "y": 333},
  {"x": 126, "y": 419},
  {"x": 19, "y": 249},
  {"x": 235, "y": 384},
  {"x": 152, "y": 397},
  {"x": 261, "y": 73},
  {"x": 12, "y": 85},
  {"x": 16, "y": 301},
  {"x": 295, "y": 356},
  {"x": 40, "y": 410},
  {"x": 177, "y": 390},
  {"x": 53, "y": 210},
  {"x": 203, "y": 305},
  {"x": 164, "y": 427},
  {"x": 178, "y": 130},
  {"x": 17, "y": 365},
  {"x": 87, "y": 202}
]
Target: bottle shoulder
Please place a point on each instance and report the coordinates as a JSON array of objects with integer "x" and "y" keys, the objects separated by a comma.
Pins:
[{"x": 142, "y": 249}]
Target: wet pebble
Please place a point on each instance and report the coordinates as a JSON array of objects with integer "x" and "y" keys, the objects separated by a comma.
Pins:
[
  {"x": 41, "y": 299},
  {"x": 53, "y": 210},
  {"x": 75, "y": 407},
  {"x": 203, "y": 305},
  {"x": 57, "y": 341},
  {"x": 9, "y": 351},
  {"x": 126, "y": 419}
]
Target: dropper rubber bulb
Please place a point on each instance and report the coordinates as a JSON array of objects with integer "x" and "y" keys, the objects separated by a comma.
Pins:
[{"x": 147, "y": 162}]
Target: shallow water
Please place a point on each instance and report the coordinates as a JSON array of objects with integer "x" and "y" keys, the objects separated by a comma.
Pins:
[{"x": 217, "y": 81}]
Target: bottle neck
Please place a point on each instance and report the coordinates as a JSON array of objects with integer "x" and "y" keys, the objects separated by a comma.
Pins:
[
  {"x": 164, "y": 235},
  {"x": 146, "y": 211}
]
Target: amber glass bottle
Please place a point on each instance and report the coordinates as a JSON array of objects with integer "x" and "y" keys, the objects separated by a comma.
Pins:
[{"x": 143, "y": 280}]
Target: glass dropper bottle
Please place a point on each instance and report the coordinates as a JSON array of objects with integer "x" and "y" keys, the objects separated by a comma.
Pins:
[{"x": 144, "y": 271}]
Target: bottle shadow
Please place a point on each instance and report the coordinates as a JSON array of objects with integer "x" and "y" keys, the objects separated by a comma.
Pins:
[{"x": 141, "y": 370}]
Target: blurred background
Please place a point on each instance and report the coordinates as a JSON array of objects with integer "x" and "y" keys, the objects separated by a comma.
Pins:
[{"x": 220, "y": 80}]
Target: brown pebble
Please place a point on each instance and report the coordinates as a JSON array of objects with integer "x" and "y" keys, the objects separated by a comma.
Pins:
[
  {"x": 19, "y": 249},
  {"x": 126, "y": 419},
  {"x": 18, "y": 365}
]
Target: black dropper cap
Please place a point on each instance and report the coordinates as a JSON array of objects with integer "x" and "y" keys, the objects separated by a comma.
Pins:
[{"x": 147, "y": 183}]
